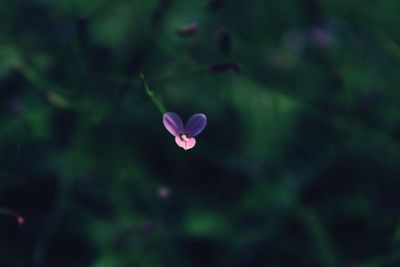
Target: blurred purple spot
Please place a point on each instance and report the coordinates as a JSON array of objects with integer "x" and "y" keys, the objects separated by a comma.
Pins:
[
  {"x": 225, "y": 67},
  {"x": 146, "y": 229},
  {"x": 164, "y": 192},
  {"x": 44, "y": 94},
  {"x": 320, "y": 37},
  {"x": 20, "y": 220},
  {"x": 15, "y": 106},
  {"x": 371, "y": 98},
  {"x": 188, "y": 30}
]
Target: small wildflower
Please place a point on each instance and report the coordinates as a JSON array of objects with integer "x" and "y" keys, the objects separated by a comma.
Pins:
[{"x": 184, "y": 135}]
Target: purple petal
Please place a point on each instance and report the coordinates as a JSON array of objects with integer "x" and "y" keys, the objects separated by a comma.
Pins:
[
  {"x": 195, "y": 124},
  {"x": 186, "y": 143},
  {"x": 173, "y": 123}
]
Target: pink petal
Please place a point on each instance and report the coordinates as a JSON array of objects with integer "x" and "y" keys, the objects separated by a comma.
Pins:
[
  {"x": 188, "y": 144},
  {"x": 173, "y": 123}
]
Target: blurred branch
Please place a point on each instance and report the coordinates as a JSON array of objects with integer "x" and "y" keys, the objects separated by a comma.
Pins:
[
  {"x": 389, "y": 44},
  {"x": 319, "y": 235},
  {"x": 37, "y": 80},
  {"x": 156, "y": 100}
]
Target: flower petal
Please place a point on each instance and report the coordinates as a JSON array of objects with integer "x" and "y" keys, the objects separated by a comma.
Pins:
[
  {"x": 173, "y": 123},
  {"x": 188, "y": 144},
  {"x": 195, "y": 124}
]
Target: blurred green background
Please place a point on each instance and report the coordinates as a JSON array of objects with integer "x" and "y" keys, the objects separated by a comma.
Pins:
[{"x": 298, "y": 166}]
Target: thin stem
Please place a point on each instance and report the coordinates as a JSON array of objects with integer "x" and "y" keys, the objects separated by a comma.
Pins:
[
  {"x": 5, "y": 211},
  {"x": 319, "y": 235},
  {"x": 156, "y": 100},
  {"x": 38, "y": 80}
]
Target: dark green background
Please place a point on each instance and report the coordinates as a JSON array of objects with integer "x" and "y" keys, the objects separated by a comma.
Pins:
[{"x": 299, "y": 164}]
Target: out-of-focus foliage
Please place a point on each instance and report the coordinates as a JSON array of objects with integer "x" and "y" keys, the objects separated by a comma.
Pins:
[{"x": 298, "y": 166}]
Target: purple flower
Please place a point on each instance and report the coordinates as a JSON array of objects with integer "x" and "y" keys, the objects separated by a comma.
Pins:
[{"x": 185, "y": 135}]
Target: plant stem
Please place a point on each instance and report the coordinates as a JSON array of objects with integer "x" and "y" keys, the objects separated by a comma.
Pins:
[
  {"x": 156, "y": 100},
  {"x": 7, "y": 212},
  {"x": 319, "y": 235}
]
